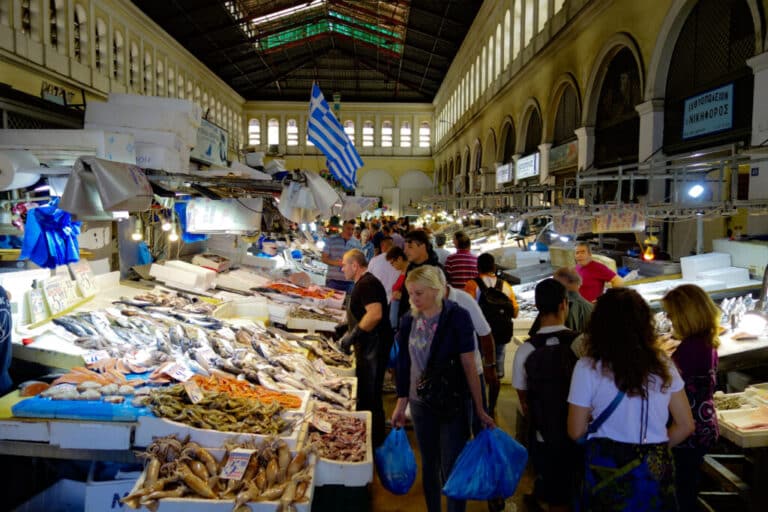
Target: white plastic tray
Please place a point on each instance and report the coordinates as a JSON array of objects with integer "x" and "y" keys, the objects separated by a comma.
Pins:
[{"x": 730, "y": 422}]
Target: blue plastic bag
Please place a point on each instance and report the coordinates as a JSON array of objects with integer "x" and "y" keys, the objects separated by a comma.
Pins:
[
  {"x": 393, "y": 354},
  {"x": 489, "y": 466},
  {"x": 396, "y": 463},
  {"x": 50, "y": 236}
]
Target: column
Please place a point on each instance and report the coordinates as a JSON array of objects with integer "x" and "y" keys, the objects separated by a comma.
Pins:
[
  {"x": 544, "y": 162},
  {"x": 586, "y": 137},
  {"x": 515, "y": 158},
  {"x": 758, "y": 178},
  {"x": 651, "y": 140}
]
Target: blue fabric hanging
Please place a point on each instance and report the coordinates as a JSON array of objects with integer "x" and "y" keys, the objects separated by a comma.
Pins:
[
  {"x": 181, "y": 213},
  {"x": 50, "y": 236}
]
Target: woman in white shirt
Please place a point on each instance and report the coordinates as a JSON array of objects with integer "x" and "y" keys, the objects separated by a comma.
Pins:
[{"x": 628, "y": 459}]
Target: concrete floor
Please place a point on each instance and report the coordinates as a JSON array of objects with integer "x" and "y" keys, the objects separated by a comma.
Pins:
[{"x": 384, "y": 501}]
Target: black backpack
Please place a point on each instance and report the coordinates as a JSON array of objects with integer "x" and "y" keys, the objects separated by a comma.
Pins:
[
  {"x": 548, "y": 370},
  {"x": 498, "y": 310}
]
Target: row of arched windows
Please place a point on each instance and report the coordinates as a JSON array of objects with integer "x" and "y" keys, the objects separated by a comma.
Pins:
[
  {"x": 365, "y": 138},
  {"x": 127, "y": 61},
  {"x": 519, "y": 25}
]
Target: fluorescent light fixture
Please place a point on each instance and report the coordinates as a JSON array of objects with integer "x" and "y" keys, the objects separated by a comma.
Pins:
[
  {"x": 695, "y": 191},
  {"x": 287, "y": 12}
]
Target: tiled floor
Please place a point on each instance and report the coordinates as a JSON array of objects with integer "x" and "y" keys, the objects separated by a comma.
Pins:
[{"x": 384, "y": 501}]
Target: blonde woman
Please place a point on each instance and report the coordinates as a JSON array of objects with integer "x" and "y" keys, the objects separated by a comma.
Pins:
[
  {"x": 436, "y": 337},
  {"x": 695, "y": 321}
]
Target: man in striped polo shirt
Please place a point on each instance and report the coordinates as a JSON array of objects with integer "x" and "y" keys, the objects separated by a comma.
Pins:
[
  {"x": 461, "y": 266},
  {"x": 333, "y": 252}
]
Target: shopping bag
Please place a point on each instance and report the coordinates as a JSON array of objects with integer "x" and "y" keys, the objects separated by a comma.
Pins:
[
  {"x": 396, "y": 463},
  {"x": 393, "y": 353},
  {"x": 489, "y": 466}
]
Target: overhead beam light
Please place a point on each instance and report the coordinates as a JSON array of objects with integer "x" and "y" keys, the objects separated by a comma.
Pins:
[
  {"x": 695, "y": 191},
  {"x": 287, "y": 12}
]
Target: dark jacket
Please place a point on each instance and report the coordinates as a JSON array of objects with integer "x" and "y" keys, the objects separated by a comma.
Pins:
[{"x": 454, "y": 335}]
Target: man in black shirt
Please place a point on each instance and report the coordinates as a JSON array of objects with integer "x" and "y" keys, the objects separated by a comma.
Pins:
[
  {"x": 370, "y": 333},
  {"x": 418, "y": 250}
]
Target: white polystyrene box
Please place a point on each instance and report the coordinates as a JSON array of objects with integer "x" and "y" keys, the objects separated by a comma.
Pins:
[
  {"x": 349, "y": 474},
  {"x": 181, "y": 274},
  {"x": 730, "y": 275},
  {"x": 155, "y": 156},
  {"x": 691, "y": 266},
  {"x": 91, "y": 435},
  {"x": 241, "y": 280},
  {"x": 193, "y": 111},
  {"x": 116, "y": 147},
  {"x": 145, "y": 118},
  {"x": 23, "y": 430},
  {"x": 167, "y": 139}
]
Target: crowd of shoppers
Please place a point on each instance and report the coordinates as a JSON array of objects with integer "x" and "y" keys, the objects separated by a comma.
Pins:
[{"x": 623, "y": 427}]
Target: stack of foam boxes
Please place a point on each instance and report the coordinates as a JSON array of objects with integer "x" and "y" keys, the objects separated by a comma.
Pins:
[{"x": 164, "y": 129}]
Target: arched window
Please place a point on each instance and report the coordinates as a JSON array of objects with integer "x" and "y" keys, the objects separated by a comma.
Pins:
[
  {"x": 424, "y": 135},
  {"x": 405, "y": 134},
  {"x": 533, "y": 134},
  {"x": 368, "y": 135},
  {"x": 80, "y": 35},
  {"x": 349, "y": 129},
  {"x": 479, "y": 69},
  {"x": 472, "y": 86},
  {"x": 710, "y": 55},
  {"x": 617, "y": 127},
  {"x": 57, "y": 13},
  {"x": 273, "y": 132},
  {"x": 133, "y": 66},
  {"x": 171, "y": 88},
  {"x": 497, "y": 66},
  {"x": 484, "y": 69},
  {"x": 528, "y": 23},
  {"x": 292, "y": 133},
  {"x": 30, "y": 18},
  {"x": 99, "y": 45},
  {"x": 254, "y": 132},
  {"x": 160, "y": 74},
  {"x": 386, "y": 134},
  {"x": 517, "y": 28},
  {"x": 148, "y": 74},
  {"x": 118, "y": 56},
  {"x": 507, "y": 38},
  {"x": 490, "y": 62},
  {"x": 567, "y": 118},
  {"x": 205, "y": 105},
  {"x": 543, "y": 13},
  {"x": 558, "y": 5}
]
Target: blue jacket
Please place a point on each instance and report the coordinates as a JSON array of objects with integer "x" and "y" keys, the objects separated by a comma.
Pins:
[{"x": 454, "y": 336}]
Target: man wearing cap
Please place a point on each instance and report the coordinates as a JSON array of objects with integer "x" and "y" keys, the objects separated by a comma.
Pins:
[{"x": 333, "y": 252}]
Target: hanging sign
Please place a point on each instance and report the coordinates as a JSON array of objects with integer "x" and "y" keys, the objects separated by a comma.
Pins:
[
  {"x": 504, "y": 173},
  {"x": 528, "y": 166},
  {"x": 564, "y": 156},
  {"x": 708, "y": 112},
  {"x": 211, "y": 147},
  {"x": 615, "y": 221},
  {"x": 572, "y": 223}
]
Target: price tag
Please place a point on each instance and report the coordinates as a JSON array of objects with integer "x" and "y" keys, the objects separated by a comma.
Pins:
[
  {"x": 84, "y": 278},
  {"x": 96, "y": 355},
  {"x": 194, "y": 392},
  {"x": 236, "y": 464},
  {"x": 60, "y": 293},
  {"x": 322, "y": 424},
  {"x": 38, "y": 311},
  {"x": 178, "y": 371}
]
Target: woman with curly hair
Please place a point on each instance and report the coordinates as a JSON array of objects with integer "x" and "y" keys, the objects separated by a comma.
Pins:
[
  {"x": 695, "y": 321},
  {"x": 631, "y": 388}
]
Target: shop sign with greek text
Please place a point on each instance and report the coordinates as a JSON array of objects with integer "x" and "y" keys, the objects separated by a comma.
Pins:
[
  {"x": 708, "y": 112},
  {"x": 528, "y": 166}
]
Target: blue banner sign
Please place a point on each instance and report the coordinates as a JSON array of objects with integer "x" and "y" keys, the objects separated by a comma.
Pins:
[{"x": 708, "y": 112}]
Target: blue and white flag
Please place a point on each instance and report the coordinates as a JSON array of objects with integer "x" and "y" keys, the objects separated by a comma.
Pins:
[{"x": 326, "y": 132}]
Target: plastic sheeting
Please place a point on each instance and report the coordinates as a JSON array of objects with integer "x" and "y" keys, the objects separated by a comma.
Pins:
[{"x": 50, "y": 236}]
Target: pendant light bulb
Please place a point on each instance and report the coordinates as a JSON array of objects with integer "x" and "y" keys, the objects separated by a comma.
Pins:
[
  {"x": 173, "y": 237},
  {"x": 137, "y": 234},
  {"x": 166, "y": 225}
]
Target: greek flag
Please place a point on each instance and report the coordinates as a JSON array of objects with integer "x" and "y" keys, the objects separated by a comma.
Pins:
[{"x": 326, "y": 132}]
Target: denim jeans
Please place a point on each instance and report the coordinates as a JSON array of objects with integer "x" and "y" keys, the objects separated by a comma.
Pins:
[{"x": 440, "y": 443}]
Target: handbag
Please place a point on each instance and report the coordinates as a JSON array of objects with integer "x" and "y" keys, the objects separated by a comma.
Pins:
[
  {"x": 598, "y": 422},
  {"x": 440, "y": 386}
]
